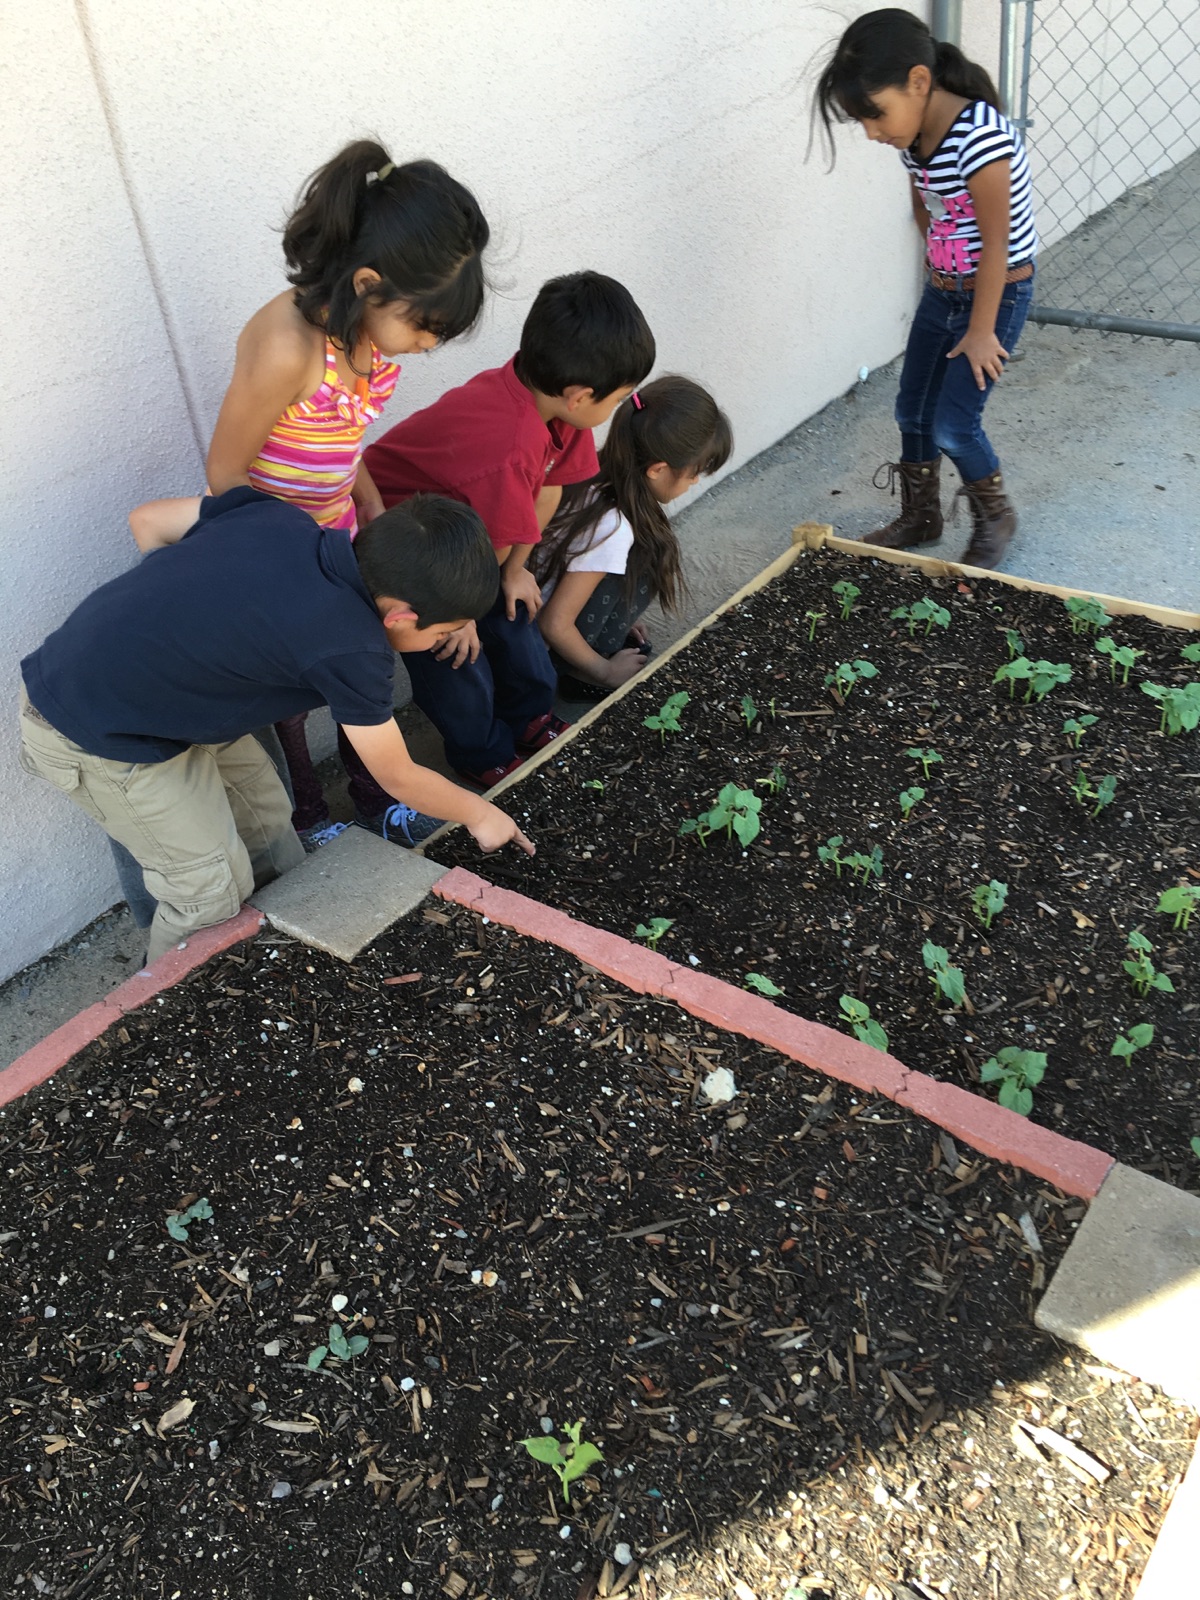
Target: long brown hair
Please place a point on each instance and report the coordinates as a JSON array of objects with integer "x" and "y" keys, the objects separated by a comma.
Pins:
[{"x": 671, "y": 419}]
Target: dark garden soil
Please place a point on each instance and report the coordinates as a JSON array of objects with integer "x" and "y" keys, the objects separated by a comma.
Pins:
[
  {"x": 798, "y": 1325},
  {"x": 1047, "y": 976}
]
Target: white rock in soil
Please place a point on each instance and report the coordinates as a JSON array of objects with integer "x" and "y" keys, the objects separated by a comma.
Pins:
[
  {"x": 719, "y": 1086},
  {"x": 622, "y": 1555},
  {"x": 273, "y": 1348},
  {"x": 339, "y": 1302},
  {"x": 356, "y": 1086}
]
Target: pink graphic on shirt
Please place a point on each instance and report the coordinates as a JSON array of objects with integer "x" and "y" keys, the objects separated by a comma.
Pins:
[{"x": 945, "y": 248}]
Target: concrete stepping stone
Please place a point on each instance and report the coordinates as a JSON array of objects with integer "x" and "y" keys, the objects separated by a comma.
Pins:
[
  {"x": 346, "y": 893},
  {"x": 1128, "y": 1288}
]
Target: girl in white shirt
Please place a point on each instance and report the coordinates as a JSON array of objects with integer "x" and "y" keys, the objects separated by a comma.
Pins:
[{"x": 611, "y": 549}]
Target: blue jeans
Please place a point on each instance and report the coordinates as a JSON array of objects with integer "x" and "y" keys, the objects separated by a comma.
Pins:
[
  {"x": 482, "y": 708},
  {"x": 939, "y": 409}
]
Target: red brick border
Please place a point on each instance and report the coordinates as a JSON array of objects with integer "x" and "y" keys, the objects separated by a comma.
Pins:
[
  {"x": 1079, "y": 1169},
  {"x": 57, "y": 1048}
]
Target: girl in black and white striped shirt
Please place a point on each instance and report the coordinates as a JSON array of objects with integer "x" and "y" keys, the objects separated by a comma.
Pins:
[{"x": 972, "y": 200}]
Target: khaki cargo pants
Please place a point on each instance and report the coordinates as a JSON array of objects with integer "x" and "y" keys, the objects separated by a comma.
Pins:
[{"x": 207, "y": 827}]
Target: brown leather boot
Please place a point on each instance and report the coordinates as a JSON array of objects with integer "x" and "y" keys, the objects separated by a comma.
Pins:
[
  {"x": 920, "y": 519},
  {"x": 993, "y": 521}
]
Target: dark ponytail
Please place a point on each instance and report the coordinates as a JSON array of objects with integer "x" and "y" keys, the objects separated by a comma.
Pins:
[
  {"x": 878, "y": 51},
  {"x": 414, "y": 225},
  {"x": 677, "y": 422}
]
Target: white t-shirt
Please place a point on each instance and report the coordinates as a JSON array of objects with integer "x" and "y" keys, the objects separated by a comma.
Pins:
[{"x": 610, "y": 543}]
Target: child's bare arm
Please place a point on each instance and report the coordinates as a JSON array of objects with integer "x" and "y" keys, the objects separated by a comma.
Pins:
[
  {"x": 273, "y": 363},
  {"x": 558, "y": 621},
  {"x": 162, "y": 522}
]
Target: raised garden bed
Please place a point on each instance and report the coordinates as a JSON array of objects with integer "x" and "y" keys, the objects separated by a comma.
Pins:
[
  {"x": 798, "y": 1324},
  {"x": 1008, "y": 797}
]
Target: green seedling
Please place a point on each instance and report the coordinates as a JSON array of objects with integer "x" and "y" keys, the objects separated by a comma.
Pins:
[
  {"x": 865, "y": 867},
  {"x": 771, "y": 707},
  {"x": 666, "y": 719},
  {"x": 987, "y": 901},
  {"x": 1038, "y": 676},
  {"x": 1191, "y": 654},
  {"x": 594, "y": 783},
  {"x": 1076, "y": 727},
  {"x": 1138, "y": 1037},
  {"x": 910, "y": 798},
  {"x": 946, "y": 979},
  {"x": 1122, "y": 656},
  {"x": 925, "y": 610},
  {"x": 927, "y": 758},
  {"x": 653, "y": 933},
  {"x": 178, "y": 1222},
  {"x": 846, "y": 593},
  {"x": 812, "y": 618},
  {"x": 736, "y": 811},
  {"x": 1102, "y": 794},
  {"x": 862, "y": 1024},
  {"x": 775, "y": 782},
  {"x": 1142, "y": 972},
  {"x": 1180, "y": 707},
  {"x": 749, "y": 711},
  {"x": 847, "y": 673},
  {"x": 1195, "y": 1143},
  {"x": 756, "y": 981},
  {"x": 345, "y": 1349},
  {"x": 1015, "y": 643},
  {"x": 1179, "y": 903},
  {"x": 570, "y": 1458},
  {"x": 1019, "y": 1072},
  {"x": 1087, "y": 616},
  {"x": 828, "y": 855}
]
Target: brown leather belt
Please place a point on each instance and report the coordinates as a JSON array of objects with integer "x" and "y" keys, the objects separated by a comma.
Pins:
[{"x": 963, "y": 285}]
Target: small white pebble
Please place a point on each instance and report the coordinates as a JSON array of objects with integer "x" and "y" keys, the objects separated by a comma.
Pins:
[
  {"x": 339, "y": 1302},
  {"x": 565, "y": 1531},
  {"x": 356, "y": 1086},
  {"x": 622, "y": 1555},
  {"x": 408, "y": 1384}
]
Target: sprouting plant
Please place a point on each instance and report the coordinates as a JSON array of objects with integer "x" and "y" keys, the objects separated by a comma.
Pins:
[
  {"x": 1087, "y": 616},
  {"x": 1143, "y": 974},
  {"x": 756, "y": 981},
  {"x": 947, "y": 980},
  {"x": 812, "y": 618},
  {"x": 775, "y": 781},
  {"x": 1195, "y": 1144},
  {"x": 594, "y": 783},
  {"x": 1138, "y": 1037},
  {"x": 1180, "y": 707},
  {"x": 652, "y": 934},
  {"x": 736, "y": 811},
  {"x": 1038, "y": 676},
  {"x": 863, "y": 1025},
  {"x": 828, "y": 855},
  {"x": 1015, "y": 643},
  {"x": 927, "y": 758},
  {"x": 666, "y": 719},
  {"x": 910, "y": 798},
  {"x": 1076, "y": 727},
  {"x": 179, "y": 1221},
  {"x": 749, "y": 711},
  {"x": 987, "y": 901},
  {"x": 865, "y": 867},
  {"x": 1019, "y": 1072},
  {"x": 570, "y": 1458},
  {"x": 1102, "y": 794},
  {"x": 345, "y": 1349},
  {"x": 771, "y": 707},
  {"x": 1190, "y": 653},
  {"x": 847, "y": 673},
  {"x": 925, "y": 610},
  {"x": 846, "y": 593},
  {"x": 1122, "y": 656},
  {"x": 1179, "y": 903}
]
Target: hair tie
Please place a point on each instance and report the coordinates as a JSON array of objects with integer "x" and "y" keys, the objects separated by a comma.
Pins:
[
  {"x": 637, "y": 400},
  {"x": 384, "y": 172}
]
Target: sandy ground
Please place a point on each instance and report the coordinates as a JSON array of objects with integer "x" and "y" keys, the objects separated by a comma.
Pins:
[{"x": 1098, "y": 437}]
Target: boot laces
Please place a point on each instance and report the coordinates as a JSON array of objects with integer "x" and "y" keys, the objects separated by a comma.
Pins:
[{"x": 893, "y": 474}]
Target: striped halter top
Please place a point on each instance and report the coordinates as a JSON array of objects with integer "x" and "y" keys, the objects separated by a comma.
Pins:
[{"x": 311, "y": 455}]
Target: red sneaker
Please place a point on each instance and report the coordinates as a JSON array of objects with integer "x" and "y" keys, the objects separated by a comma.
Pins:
[
  {"x": 541, "y": 731},
  {"x": 492, "y": 776}
]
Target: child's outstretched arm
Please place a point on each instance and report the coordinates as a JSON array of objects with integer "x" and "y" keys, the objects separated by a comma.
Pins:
[
  {"x": 274, "y": 358},
  {"x": 558, "y": 621},
  {"x": 990, "y": 190},
  {"x": 162, "y": 522},
  {"x": 383, "y": 749}
]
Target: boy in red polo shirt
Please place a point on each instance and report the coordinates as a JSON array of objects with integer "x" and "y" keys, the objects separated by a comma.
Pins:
[{"x": 506, "y": 442}]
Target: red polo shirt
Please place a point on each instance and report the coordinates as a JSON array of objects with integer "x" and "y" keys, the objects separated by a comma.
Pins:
[{"x": 483, "y": 443}]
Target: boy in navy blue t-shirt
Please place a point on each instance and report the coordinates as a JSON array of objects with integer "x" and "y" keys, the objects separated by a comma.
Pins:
[{"x": 141, "y": 707}]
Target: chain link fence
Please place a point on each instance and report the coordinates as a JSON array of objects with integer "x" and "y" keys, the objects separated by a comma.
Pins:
[{"x": 1107, "y": 94}]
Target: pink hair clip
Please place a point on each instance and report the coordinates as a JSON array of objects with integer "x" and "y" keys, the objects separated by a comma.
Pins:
[{"x": 637, "y": 400}]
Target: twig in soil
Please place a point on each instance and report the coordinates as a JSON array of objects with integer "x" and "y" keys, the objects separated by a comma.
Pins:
[{"x": 650, "y": 1227}]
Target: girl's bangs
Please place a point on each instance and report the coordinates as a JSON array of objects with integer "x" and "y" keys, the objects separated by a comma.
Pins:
[
  {"x": 852, "y": 102},
  {"x": 452, "y": 307}
]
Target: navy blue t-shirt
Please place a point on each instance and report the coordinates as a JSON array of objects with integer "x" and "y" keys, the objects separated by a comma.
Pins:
[{"x": 257, "y": 614}]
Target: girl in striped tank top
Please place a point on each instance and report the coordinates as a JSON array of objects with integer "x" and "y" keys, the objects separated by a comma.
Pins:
[
  {"x": 384, "y": 261},
  {"x": 973, "y": 202}
]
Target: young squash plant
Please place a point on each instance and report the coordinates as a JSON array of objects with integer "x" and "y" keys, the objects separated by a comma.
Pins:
[
  {"x": 846, "y": 593},
  {"x": 570, "y": 1458},
  {"x": 947, "y": 980},
  {"x": 1018, "y": 1073},
  {"x": 1180, "y": 707},
  {"x": 863, "y": 1025},
  {"x": 1122, "y": 656},
  {"x": 925, "y": 610},
  {"x": 1039, "y": 677},
  {"x": 666, "y": 719},
  {"x": 847, "y": 673},
  {"x": 987, "y": 901},
  {"x": 1143, "y": 974},
  {"x": 1103, "y": 794},
  {"x": 1087, "y": 615},
  {"x": 737, "y": 811},
  {"x": 1179, "y": 903},
  {"x": 653, "y": 931},
  {"x": 1076, "y": 727},
  {"x": 1138, "y": 1037}
]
